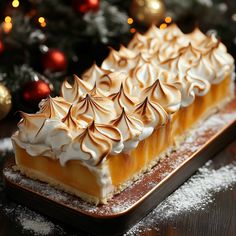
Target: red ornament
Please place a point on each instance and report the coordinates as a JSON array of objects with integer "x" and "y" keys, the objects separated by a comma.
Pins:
[
  {"x": 84, "y": 6},
  {"x": 1, "y": 47},
  {"x": 54, "y": 60},
  {"x": 35, "y": 91}
]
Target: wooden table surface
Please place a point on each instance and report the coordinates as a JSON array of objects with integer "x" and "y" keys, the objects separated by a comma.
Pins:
[{"x": 218, "y": 218}]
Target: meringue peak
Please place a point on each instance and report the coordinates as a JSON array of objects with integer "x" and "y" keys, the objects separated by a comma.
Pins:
[
  {"x": 130, "y": 126},
  {"x": 72, "y": 123},
  {"x": 153, "y": 32},
  {"x": 97, "y": 141},
  {"x": 75, "y": 92},
  {"x": 167, "y": 95},
  {"x": 54, "y": 107},
  {"x": 31, "y": 124},
  {"x": 94, "y": 73},
  {"x": 96, "y": 107},
  {"x": 121, "y": 99},
  {"x": 152, "y": 114},
  {"x": 32, "y": 120},
  {"x": 136, "y": 89}
]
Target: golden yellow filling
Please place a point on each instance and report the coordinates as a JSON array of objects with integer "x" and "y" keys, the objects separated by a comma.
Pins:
[{"x": 123, "y": 167}]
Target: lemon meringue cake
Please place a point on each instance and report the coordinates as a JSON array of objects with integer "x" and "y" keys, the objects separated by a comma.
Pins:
[{"x": 121, "y": 118}]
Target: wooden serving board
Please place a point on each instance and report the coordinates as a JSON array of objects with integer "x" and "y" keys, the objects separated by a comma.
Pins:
[{"x": 131, "y": 205}]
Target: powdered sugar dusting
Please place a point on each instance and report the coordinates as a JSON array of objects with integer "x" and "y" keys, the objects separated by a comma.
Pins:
[
  {"x": 29, "y": 221},
  {"x": 199, "y": 190},
  {"x": 192, "y": 196},
  {"x": 33, "y": 222}
]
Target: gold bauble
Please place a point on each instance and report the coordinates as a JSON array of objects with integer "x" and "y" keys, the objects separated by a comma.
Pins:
[
  {"x": 147, "y": 12},
  {"x": 5, "y": 101}
]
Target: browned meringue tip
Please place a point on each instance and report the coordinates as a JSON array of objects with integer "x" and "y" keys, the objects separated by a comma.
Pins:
[
  {"x": 144, "y": 101},
  {"x": 49, "y": 98},
  {"x": 136, "y": 35},
  {"x": 213, "y": 47},
  {"x": 121, "y": 90},
  {"x": 110, "y": 49},
  {"x": 68, "y": 114},
  {"x": 94, "y": 66},
  {"x": 94, "y": 86},
  {"x": 95, "y": 90},
  {"x": 188, "y": 47},
  {"x": 142, "y": 56},
  {"x": 156, "y": 82},
  {"x": 91, "y": 126},
  {"x": 196, "y": 29},
  {"x": 173, "y": 25},
  {"x": 28, "y": 115},
  {"x": 216, "y": 45},
  {"x": 87, "y": 96},
  {"x": 153, "y": 26},
  {"x": 169, "y": 60},
  {"x": 62, "y": 84},
  {"x": 122, "y": 46},
  {"x": 94, "y": 63},
  {"x": 121, "y": 87},
  {"x": 22, "y": 114},
  {"x": 67, "y": 84},
  {"x": 150, "y": 28},
  {"x": 76, "y": 77}
]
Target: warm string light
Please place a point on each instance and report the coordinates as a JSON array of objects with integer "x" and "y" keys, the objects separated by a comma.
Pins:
[
  {"x": 15, "y": 3},
  {"x": 130, "y": 21},
  {"x": 168, "y": 19},
  {"x": 163, "y": 26},
  {"x": 42, "y": 21},
  {"x": 7, "y": 19},
  {"x": 7, "y": 24}
]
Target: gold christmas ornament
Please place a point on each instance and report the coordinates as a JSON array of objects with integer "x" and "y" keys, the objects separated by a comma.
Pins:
[
  {"x": 5, "y": 101},
  {"x": 147, "y": 12}
]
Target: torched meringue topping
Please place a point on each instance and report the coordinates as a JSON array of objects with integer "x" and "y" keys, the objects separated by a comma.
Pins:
[
  {"x": 93, "y": 74},
  {"x": 130, "y": 128},
  {"x": 167, "y": 95},
  {"x": 136, "y": 90},
  {"x": 94, "y": 107},
  {"x": 56, "y": 107},
  {"x": 93, "y": 144},
  {"x": 109, "y": 84},
  {"x": 75, "y": 92},
  {"x": 121, "y": 100},
  {"x": 39, "y": 135},
  {"x": 151, "y": 113}
]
